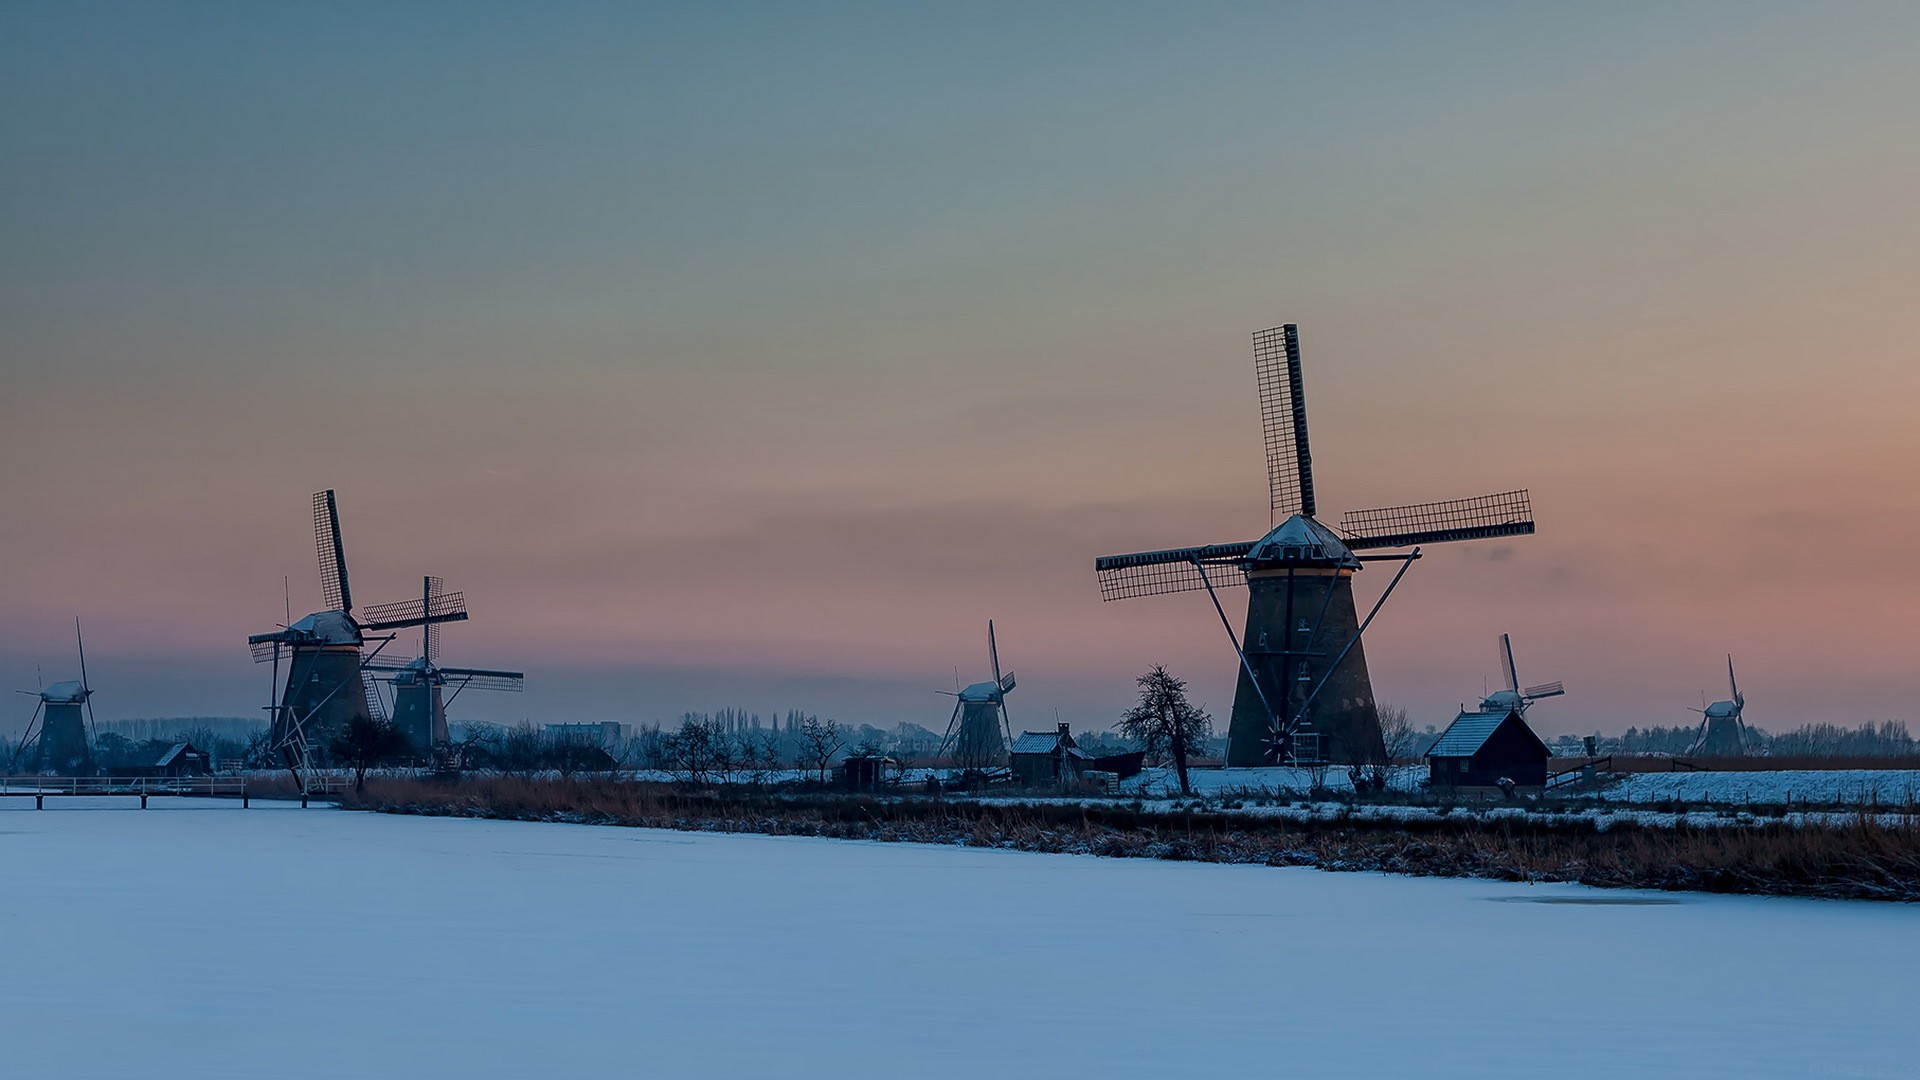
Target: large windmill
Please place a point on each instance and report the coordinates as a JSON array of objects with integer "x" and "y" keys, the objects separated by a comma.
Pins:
[
  {"x": 64, "y": 715},
  {"x": 1723, "y": 725},
  {"x": 1303, "y": 693},
  {"x": 1511, "y": 697},
  {"x": 419, "y": 685},
  {"x": 977, "y": 733},
  {"x": 325, "y": 691}
]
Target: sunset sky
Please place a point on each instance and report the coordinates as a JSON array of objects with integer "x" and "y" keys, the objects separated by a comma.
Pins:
[{"x": 757, "y": 355}]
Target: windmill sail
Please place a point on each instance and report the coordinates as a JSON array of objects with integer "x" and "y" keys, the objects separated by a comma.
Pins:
[
  {"x": 435, "y": 607},
  {"x": 1283, "y": 421},
  {"x": 1151, "y": 573},
  {"x": 334, "y": 586},
  {"x": 1505, "y": 513}
]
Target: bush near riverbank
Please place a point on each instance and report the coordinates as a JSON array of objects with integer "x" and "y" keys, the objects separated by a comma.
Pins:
[{"x": 1862, "y": 858}]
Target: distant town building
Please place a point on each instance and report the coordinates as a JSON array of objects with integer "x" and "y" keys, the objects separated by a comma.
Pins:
[
  {"x": 1488, "y": 751},
  {"x": 606, "y": 736}
]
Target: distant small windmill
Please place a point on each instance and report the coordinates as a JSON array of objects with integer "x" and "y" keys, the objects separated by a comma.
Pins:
[
  {"x": 325, "y": 691},
  {"x": 1723, "y": 726},
  {"x": 978, "y": 733},
  {"x": 1304, "y": 695},
  {"x": 419, "y": 685},
  {"x": 1513, "y": 697},
  {"x": 61, "y": 745}
]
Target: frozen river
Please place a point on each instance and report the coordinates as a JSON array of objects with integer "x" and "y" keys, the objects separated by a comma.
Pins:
[{"x": 216, "y": 942}]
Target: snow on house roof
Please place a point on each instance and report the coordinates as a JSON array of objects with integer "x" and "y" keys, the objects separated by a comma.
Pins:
[
  {"x": 1036, "y": 742},
  {"x": 1468, "y": 733},
  {"x": 167, "y": 758},
  {"x": 64, "y": 693}
]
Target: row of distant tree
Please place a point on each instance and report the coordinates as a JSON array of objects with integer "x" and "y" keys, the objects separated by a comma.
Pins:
[
  {"x": 729, "y": 741},
  {"x": 1885, "y": 738}
]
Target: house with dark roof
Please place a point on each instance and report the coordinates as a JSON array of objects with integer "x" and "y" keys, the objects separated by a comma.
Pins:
[
  {"x": 180, "y": 759},
  {"x": 1048, "y": 757},
  {"x": 1488, "y": 751}
]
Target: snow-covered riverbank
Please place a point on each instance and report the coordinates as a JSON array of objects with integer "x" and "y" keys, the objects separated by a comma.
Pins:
[{"x": 185, "y": 942}]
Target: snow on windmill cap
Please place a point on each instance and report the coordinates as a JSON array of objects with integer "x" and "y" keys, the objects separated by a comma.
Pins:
[
  {"x": 64, "y": 693},
  {"x": 329, "y": 628},
  {"x": 981, "y": 691},
  {"x": 1301, "y": 539}
]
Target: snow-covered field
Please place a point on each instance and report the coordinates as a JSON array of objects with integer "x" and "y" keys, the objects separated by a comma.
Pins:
[
  {"x": 1859, "y": 787},
  {"x": 219, "y": 942},
  {"x": 1863, "y": 787}
]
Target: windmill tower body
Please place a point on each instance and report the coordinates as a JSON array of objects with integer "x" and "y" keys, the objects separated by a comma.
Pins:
[
  {"x": 325, "y": 689},
  {"x": 1304, "y": 694},
  {"x": 1723, "y": 728},
  {"x": 63, "y": 748},
  {"x": 978, "y": 742},
  {"x": 419, "y": 685},
  {"x": 324, "y": 692},
  {"x": 420, "y": 707},
  {"x": 977, "y": 733},
  {"x": 1300, "y": 615},
  {"x": 64, "y": 713}
]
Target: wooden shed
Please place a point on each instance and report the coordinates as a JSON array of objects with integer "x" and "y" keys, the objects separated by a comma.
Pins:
[
  {"x": 1488, "y": 751},
  {"x": 181, "y": 759},
  {"x": 1041, "y": 758},
  {"x": 867, "y": 772}
]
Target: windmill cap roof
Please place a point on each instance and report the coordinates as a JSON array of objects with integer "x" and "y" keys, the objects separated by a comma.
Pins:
[
  {"x": 1302, "y": 539},
  {"x": 981, "y": 691},
  {"x": 1722, "y": 709},
  {"x": 1500, "y": 699},
  {"x": 329, "y": 628},
  {"x": 64, "y": 693}
]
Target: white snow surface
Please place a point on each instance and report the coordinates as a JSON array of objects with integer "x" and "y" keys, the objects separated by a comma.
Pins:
[
  {"x": 186, "y": 941},
  {"x": 1863, "y": 787},
  {"x": 1859, "y": 787}
]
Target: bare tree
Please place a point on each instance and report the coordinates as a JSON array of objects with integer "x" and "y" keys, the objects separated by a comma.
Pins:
[
  {"x": 770, "y": 749},
  {"x": 518, "y": 750},
  {"x": 1396, "y": 730},
  {"x": 725, "y": 753},
  {"x": 259, "y": 753},
  {"x": 694, "y": 750},
  {"x": 466, "y": 751},
  {"x": 1164, "y": 720},
  {"x": 819, "y": 742},
  {"x": 365, "y": 743}
]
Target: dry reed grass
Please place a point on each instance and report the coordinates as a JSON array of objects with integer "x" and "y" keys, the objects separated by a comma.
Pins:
[{"x": 1861, "y": 859}]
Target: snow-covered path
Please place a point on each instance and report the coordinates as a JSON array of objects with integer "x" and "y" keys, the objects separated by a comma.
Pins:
[{"x": 185, "y": 942}]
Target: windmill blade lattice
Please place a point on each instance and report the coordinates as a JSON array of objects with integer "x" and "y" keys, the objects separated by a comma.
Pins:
[
  {"x": 1505, "y": 513},
  {"x": 1283, "y": 421},
  {"x": 511, "y": 682},
  {"x": 1153, "y": 573},
  {"x": 334, "y": 585},
  {"x": 439, "y": 607}
]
